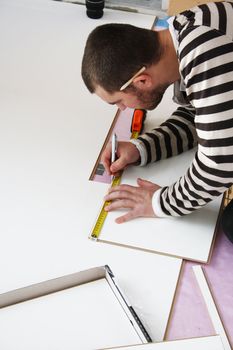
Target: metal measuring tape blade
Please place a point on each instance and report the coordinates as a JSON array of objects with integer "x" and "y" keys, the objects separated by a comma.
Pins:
[{"x": 103, "y": 213}]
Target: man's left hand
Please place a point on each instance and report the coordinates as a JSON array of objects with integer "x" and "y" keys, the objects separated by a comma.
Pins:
[{"x": 137, "y": 199}]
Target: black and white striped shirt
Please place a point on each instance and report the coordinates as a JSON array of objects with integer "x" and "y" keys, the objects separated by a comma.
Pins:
[{"x": 205, "y": 53}]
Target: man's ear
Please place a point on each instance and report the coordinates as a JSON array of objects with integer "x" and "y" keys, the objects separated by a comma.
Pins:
[{"x": 143, "y": 81}]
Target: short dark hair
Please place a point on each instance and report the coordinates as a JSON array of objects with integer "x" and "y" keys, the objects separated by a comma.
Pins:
[{"x": 115, "y": 52}]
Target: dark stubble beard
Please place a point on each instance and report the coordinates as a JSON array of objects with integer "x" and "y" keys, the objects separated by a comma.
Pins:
[{"x": 150, "y": 99}]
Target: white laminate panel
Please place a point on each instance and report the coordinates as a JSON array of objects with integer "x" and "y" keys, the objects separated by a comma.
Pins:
[
  {"x": 61, "y": 321},
  {"x": 189, "y": 236},
  {"x": 211, "y": 306}
]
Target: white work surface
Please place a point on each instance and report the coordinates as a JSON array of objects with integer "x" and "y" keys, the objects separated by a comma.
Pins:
[{"x": 51, "y": 131}]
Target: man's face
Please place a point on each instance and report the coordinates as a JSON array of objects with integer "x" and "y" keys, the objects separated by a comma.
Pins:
[{"x": 135, "y": 98}]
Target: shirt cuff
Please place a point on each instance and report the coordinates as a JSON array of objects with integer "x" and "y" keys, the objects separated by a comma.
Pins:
[
  {"x": 141, "y": 150},
  {"x": 156, "y": 205}
]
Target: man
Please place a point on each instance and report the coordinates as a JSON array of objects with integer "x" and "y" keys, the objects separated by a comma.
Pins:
[{"x": 132, "y": 67}]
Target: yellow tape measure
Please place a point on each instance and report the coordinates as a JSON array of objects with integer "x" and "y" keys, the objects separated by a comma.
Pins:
[
  {"x": 134, "y": 135},
  {"x": 137, "y": 123},
  {"x": 103, "y": 213}
]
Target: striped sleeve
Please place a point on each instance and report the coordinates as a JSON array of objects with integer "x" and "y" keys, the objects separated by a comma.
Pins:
[
  {"x": 205, "y": 53},
  {"x": 174, "y": 136},
  {"x": 206, "y": 64}
]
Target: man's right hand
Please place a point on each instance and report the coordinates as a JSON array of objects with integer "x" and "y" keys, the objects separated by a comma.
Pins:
[{"x": 127, "y": 153}]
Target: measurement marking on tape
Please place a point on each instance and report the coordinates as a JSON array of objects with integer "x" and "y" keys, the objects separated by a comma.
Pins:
[{"x": 103, "y": 213}]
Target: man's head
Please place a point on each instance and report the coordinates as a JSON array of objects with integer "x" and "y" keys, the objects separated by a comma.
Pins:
[{"x": 115, "y": 53}]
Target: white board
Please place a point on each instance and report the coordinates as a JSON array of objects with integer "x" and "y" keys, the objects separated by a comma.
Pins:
[
  {"x": 205, "y": 343},
  {"x": 51, "y": 132},
  {"x": 189, "y": 237},
  {"x": 211, "y": 307},
  {"x": 64, "y": 319}
]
